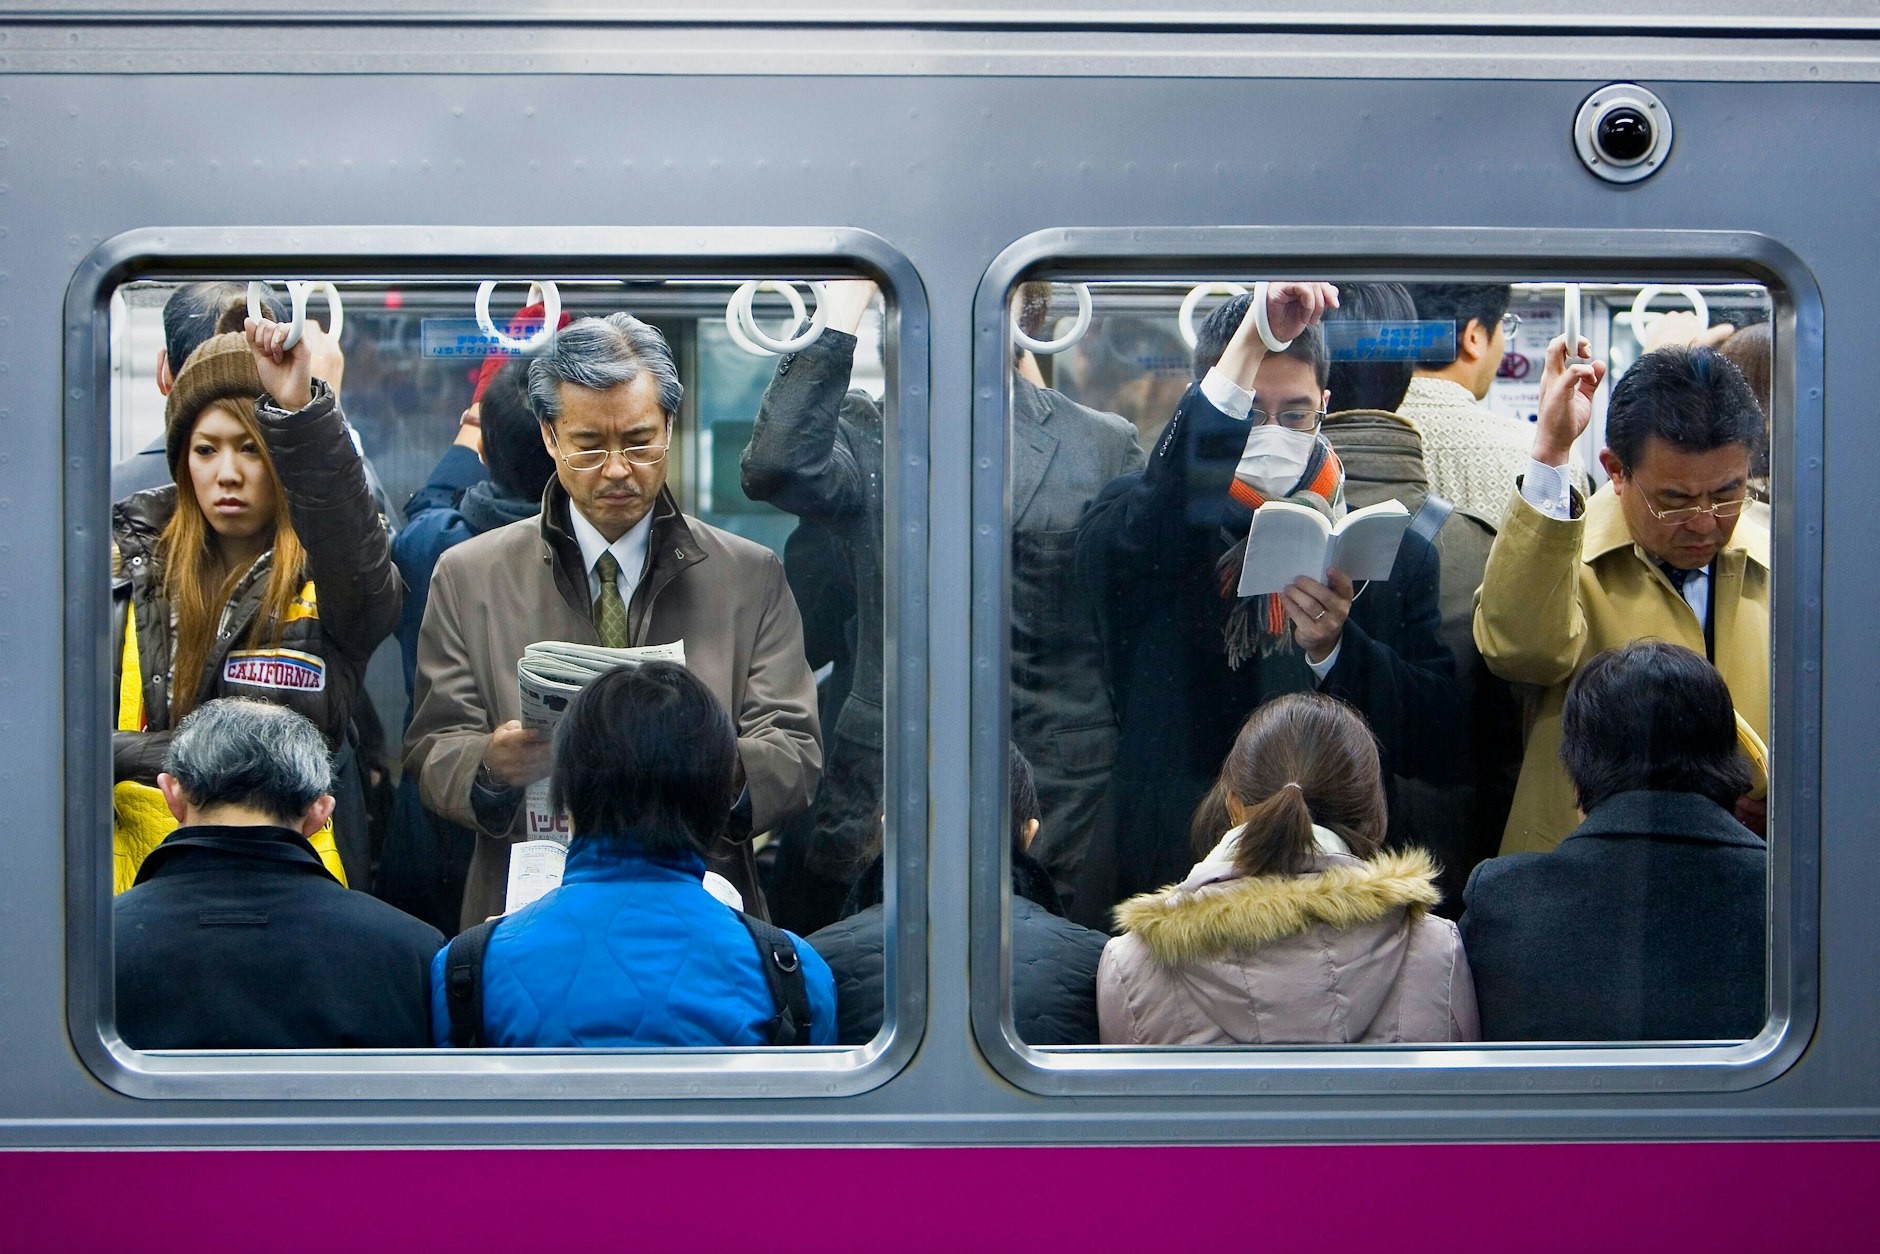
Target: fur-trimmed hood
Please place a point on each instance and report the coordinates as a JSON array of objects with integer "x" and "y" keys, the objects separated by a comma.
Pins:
[
  {"x": 1209, "y": 916},
  {"x": 1346, "y": 952}
]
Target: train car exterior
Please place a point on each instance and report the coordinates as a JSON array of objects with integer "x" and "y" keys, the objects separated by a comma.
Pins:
[{"x": 661, "y": 158}]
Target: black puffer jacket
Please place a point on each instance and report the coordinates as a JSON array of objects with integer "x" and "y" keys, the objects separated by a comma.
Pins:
[
  {"x": 320, "y": 660},
  {"x": 1054, "y": 962}
]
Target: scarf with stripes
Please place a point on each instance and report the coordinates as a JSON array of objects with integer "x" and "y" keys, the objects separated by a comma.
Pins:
[{"x": 1258, "y": 625}]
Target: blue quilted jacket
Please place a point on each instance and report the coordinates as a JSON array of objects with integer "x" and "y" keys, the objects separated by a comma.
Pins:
[{"x": 629, "y": 951}]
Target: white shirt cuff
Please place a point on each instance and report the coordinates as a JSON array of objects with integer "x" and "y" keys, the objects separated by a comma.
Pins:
[
  {"x": 1226, "y": 395},
  {"x": 1321, "y": 669},
  {"x": 1549, "y": 489}
]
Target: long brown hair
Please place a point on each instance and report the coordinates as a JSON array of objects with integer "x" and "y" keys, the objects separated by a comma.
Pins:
[
  {"x": 1300, "y": 759},
  {"x": 187, "y": 551}
]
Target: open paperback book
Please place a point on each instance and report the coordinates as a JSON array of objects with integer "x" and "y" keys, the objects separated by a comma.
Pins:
[
  {"x": 1289, "y": 540},
  {"x": 550, "y": 673}
]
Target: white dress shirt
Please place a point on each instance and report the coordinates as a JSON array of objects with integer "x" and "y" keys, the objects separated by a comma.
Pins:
[
  {"x": 1548, "y": 489},
  {"x": 629, "y": 550},
  {"x": 1226, "y": 395}
]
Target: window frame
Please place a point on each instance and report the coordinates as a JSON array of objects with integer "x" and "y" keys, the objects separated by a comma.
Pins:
[
  {"x": 1190, "y": 255},
  {"x": 471, "y": 254}
]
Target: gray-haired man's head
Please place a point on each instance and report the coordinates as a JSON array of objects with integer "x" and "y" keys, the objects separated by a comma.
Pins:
[
  {"x": 249, "y": 755},
  {"x": 606, "y": 393}
]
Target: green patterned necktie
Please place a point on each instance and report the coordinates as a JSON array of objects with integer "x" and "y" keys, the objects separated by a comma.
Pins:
[{"x": 610, "y": 612}]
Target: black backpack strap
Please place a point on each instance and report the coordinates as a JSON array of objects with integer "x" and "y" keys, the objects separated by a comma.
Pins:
[
  {"x": 783, "y": 974},
  {"x": 463, "y": 983},
  {"x": 1430, "y": 517}
]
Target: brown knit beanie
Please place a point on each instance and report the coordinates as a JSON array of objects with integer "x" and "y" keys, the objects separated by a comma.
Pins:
[{"x": 221, "y": 368}]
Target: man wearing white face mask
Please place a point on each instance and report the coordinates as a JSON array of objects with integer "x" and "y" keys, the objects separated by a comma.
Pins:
[{"x": 1188, "y": 659}]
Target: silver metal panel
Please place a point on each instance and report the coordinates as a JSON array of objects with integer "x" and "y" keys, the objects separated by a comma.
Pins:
[
  {"x": 1469, "y": 52},
  {"x": 1607, "y": 16},
  {"x": 950, "y": 169},
  {"x": 1187, "y": 255}
]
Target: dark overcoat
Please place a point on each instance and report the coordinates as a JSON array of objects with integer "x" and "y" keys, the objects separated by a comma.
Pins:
[
  {"x": 1647, "y": 923},
  {"x": 238, "y": 938}
]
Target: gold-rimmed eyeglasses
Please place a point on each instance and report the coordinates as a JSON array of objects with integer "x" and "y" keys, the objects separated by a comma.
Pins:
[
  {"x": 595, "y": 458},
  {"x": 1689, "y": 513}
]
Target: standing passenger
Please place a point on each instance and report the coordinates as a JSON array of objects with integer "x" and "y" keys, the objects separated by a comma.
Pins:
[
  {"x": 1659, "y": 552},
  {"x": 264, "y": 570},
  {"x": 1473, "y": 453},
  {"x": 1294, "y": 929},
  {"x": 817, "y": 453},
  {"x": 610, "y": 561},
  {"x": 1188, "y": 657}
]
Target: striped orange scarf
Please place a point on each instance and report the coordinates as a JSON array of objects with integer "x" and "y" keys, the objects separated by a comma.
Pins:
[{"x": 1258, "y": 625}]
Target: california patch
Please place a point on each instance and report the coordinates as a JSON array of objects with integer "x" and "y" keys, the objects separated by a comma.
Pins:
[{"x": 275, "y": 668}]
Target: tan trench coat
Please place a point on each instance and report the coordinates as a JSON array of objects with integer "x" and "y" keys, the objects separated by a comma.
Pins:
[
  {"x": 723, "y": 595},
  {"x": 1556, "y": 592}
]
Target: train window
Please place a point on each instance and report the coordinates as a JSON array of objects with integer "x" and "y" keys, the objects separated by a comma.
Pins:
[
  {"x": 1388, "y": 683},
  {"x": 684, "y": 465}
]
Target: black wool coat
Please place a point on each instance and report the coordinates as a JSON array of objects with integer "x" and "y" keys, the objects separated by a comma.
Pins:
[
  {"x": 1647, "y": 923},
  {"x": 1054, "y": 962},
  {"x": 238, "y": 938},
  {"x": 1146, "y": 551}
]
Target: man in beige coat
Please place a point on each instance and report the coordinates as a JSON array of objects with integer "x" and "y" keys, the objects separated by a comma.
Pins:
[
  {"x": 1662, "y": 552},
  {"x": 612, "y": 561}
]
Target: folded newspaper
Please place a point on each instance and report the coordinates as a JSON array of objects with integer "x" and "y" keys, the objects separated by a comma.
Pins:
[{"x": 550, "y": 673}]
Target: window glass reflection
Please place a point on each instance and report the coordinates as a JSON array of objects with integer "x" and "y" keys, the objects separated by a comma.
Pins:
[
  {"x": 516, "y": 527},
  {"x": 1287, "y": 609}
]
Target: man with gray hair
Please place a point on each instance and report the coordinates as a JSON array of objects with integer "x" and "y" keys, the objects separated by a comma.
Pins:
[
  {"x": 610, "y": 560},
  {"x": 236, "y": 936}
]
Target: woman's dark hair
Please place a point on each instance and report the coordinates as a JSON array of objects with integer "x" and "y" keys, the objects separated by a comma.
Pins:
[
  {"x": 646, "y": 753},
  {"x": 1693, "y": 398},
  {"x": 1300, "y": 759},
  {"x": 520, "y": 466},
  {"x": 1371, "y": 384},
  {"x": 1652, "y": 716},
  {"x": 1219, "y": 327}
]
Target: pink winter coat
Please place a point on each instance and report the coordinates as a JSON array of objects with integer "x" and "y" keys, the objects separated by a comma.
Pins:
[{"x": 1347, "y": 952}]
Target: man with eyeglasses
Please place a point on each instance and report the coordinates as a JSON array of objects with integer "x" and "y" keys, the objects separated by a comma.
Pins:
[
  {"x": 1188, "y": 657},
  {"x": 1472, "y": 453},
  {"x": 610, "y": 560},
  {"x": 1662, "y": 552}
]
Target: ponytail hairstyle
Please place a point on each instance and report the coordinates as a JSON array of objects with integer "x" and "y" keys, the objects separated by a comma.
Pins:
[
  {"x": 1300, "y": 759},
  {"x": 186, "y": 551}
]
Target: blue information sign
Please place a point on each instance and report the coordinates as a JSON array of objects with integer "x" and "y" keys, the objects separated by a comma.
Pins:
[
  {"x": 463, "y": 337},
  {"x": 1433, "y": 341}
]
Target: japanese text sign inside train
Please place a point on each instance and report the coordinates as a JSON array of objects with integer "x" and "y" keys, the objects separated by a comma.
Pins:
[
  {"x": 1429, "y": 341},
  {"x": 465, "y": 337}
]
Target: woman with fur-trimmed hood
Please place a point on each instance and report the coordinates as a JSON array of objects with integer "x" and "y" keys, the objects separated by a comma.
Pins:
[{"x": 1295, "y": 928}]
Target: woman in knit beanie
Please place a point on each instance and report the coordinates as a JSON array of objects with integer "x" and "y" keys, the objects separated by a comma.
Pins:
[{"x": 213, "y": 589}]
